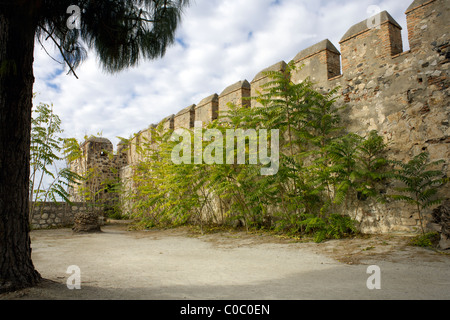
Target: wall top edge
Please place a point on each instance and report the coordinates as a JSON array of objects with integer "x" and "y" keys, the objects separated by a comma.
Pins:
[
  {"x": 316, "y": 48},
  {"x": 364, "y": 26},
  {"x": 185, "y": 110},
  {"x": 238, "y": 85},
  {"x": 276, "y": 67},
  {"x": 212, "y": 98},
  {"x": 169, "y": 118},
  {"x": 96, "y": 140},
  {"x": 417, "y": 4}
]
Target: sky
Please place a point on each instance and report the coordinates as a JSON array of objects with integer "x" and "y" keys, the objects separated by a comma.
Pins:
[{"x": 218, "y": 43}]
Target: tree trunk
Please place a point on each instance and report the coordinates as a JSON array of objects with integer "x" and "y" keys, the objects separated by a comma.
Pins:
[{"x": 17, "y": 32}]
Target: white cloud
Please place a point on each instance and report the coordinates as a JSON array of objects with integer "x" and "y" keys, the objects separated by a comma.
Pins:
[{"x": 220, "y": 43}]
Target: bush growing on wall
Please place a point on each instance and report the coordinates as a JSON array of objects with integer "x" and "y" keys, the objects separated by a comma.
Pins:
[{"x": 322, "y": 169}]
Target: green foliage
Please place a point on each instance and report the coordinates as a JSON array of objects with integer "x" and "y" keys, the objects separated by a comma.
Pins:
[
  {"x": 166, "y": 192},
  {"x": 427, "y": 240},
  {"x": 335, "y": 226},
  {"x": 322, "y": 169},
  {"x": 356, "y": 168},
  {"x": 46, "y": 149},
  {"x": 291, "y": 201},
  {"x": 72, "y": 149},
  {"x": 373, "y": 165},
  {"x": 121, "y": 33},
  {"x": 420, "y": 184}
]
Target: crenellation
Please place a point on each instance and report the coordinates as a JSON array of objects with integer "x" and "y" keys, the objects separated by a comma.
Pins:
[
  {"x": 168, "y": 123},
  {"x": 367, "y": 44},
  {"x": 237, "y": 94},
  {"x": 416, "y": 23},
  {"x": 185, "y": 118},
  {"x": 319, "y": 62},
  {"x": 122, "y": 153},
  {"x": 207, "y": 110},
  {"x": 143, "y": 139},
  {"x": 261, "y": 79},
  {"x": 134, "y": 147}
]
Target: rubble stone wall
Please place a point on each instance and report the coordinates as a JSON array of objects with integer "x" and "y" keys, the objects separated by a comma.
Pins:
[{"x": 54, "y": 214}]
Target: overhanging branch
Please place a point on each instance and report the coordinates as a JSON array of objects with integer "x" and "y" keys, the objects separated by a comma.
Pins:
[{"x": 50, "y": 35}]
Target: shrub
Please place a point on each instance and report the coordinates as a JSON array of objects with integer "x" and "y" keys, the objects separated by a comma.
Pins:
[{"x": 426, "y": 240}]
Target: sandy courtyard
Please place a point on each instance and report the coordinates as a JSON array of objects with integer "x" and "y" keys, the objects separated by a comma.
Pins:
[{"x": 180, "y": 264}]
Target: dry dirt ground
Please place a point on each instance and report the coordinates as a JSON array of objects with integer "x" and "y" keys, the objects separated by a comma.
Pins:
[{"x": 230, "y": 265}]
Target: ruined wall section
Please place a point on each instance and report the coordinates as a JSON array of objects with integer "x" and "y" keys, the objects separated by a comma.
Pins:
[
  {"x": 402, "y": 95},
  {"x": 97, "y": 161}
]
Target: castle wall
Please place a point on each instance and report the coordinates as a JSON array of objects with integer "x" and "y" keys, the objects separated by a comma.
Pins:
[{"x": 403, "y": 95}]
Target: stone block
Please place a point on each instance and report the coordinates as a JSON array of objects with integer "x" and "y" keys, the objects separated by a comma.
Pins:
[
  {"x": 261, "y": 79},
  {"x": 444, "y": 243},
  {"x": 237, "y": 94},
  {"x": 206, "y": 110},
  {"x": 370, "y": 41},
  {"x": 319, "y": 62},
  {"x": 168, "y": 123},
  {"x": 185, "y": 118}
]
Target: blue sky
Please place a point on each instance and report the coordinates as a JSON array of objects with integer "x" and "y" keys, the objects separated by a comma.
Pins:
[{"x": 218, "y": 43}]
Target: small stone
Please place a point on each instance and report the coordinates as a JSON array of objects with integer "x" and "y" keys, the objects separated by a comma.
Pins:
[
  {"x": 444, "y": 244},
  {"x": 437, "y": 73}
]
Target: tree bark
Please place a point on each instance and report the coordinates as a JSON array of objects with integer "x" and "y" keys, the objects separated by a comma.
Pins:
[{"x": 17, "y": 34}]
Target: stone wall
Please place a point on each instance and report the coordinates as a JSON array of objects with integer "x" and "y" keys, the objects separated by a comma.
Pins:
[
  {"x": 402, "y": 95},
  {"x": 54, "y": 214}
]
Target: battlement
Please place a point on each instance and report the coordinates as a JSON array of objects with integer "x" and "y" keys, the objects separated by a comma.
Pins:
[
  {"x": 169, "y": 123},
  {"x": 185, "y": 118},
  {"x": 261, "y": 78},
  {"x": 319, "y": 62},
  {"x": 236, "y": 94},
  {"x": 207, "y": 110},
  {"x": 366, "y": 46},
  {"x": 379, "y": 38},
  {"x": 403, "y": 95}
]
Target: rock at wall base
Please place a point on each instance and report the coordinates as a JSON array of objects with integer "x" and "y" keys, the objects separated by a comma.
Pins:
[
  {"x": 444, "y": 244},
  {"x": 86, "y": 222},
  {"x": 441, "y": 221}
]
